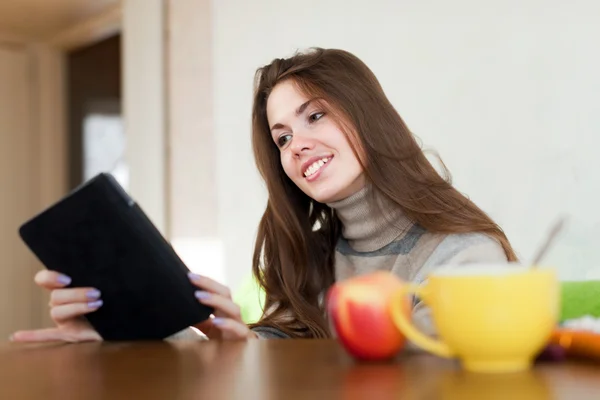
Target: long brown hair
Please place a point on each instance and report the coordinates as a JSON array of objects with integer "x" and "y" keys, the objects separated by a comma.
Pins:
[{"x": 292, "y": 260}]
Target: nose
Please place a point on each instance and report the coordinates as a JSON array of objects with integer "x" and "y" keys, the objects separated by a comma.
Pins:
[{"x": 301, "y": 144}]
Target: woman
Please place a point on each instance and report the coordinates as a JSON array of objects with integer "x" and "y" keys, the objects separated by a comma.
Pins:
[{"x": 350, "y": 192}]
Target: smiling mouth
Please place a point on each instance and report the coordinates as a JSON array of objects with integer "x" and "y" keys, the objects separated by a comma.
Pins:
[{"x": 316, "y": 166}]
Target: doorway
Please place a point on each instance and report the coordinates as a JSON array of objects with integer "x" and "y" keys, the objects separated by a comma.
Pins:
[{"x": 95, "y": 124}]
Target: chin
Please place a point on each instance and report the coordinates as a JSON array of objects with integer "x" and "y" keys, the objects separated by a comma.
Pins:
[
  {"x": 324, "y": 196},
  {"x": 326, "y": 192}
]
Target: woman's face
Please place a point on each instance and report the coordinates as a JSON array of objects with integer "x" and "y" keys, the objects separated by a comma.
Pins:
[{"x": 315, "y": 153}]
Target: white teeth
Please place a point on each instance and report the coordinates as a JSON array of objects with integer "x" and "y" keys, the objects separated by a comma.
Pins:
[{"x": 314, "y": 167}]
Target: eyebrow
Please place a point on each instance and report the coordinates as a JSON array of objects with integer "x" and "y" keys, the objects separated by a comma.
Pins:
[{"x": 299, "y": 111}]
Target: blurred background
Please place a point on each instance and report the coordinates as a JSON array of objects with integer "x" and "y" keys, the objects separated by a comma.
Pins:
[{"x": 159, "y": 93}]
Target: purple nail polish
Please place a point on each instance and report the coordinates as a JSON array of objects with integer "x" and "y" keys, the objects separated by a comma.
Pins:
[
  {"x": 95, "y": 304},
  {"x": 93, "y": 294},
  {"x": 193, "y": 276},
  {"x": 65, "y": 280},
  {"x": 218, "y": 321},
  {"x": 201, "y": 295}
]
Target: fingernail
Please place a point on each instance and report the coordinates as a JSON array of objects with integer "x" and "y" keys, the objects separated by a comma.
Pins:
[
  {"x": 193, "y": 276},
  {"x": 65, "y": 280},
  {"x": 95, "y": 304},
  {"x": 201, "y": 295},
  {"x": 218, "y": 321},
  {"x": 93, "y": 294}
]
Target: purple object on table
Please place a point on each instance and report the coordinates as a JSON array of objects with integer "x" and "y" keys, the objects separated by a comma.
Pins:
[{"x": 552, "y": 352}]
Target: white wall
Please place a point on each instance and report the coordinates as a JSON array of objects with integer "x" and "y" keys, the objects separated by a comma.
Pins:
[
  {"x": 144, "y": 106},
  {"x": 506, "y": 91}
]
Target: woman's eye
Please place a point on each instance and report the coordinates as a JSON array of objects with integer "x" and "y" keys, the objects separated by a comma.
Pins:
[
  {"x": 283, "y": 140},
  {"x": 316, "y": 116}
]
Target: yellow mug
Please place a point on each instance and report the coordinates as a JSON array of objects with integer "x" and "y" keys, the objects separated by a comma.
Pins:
[{"x": 493, "y": 318}]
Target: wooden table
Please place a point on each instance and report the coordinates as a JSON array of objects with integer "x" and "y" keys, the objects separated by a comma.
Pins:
[{"x": 265, "y": 370}]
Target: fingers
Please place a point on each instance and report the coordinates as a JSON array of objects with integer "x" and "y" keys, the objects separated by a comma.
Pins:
[
  {"x": 78, "y": 295},
  {"x": 233, "y": 330},
  {"x": 51, "y": 279},
  {"x": 55, "y": 335},
  {"x": 65, "y": 312},
  {"x": 228, "y": 320},
  {"x": 38, "y": 335},
  {"x": 209, "y": 285},
  {"x": 223, "y": 306}
]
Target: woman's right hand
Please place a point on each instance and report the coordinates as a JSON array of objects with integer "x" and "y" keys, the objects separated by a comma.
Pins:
[{"x": 67, "y": 308}]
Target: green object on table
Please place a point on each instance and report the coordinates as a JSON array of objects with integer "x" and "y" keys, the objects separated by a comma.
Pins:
[
  {"x": 580, "y": 298},
  {"x": 251, "y": 298}
]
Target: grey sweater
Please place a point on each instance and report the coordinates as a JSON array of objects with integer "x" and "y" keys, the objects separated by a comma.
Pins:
[{"x": 389, "y": 241}]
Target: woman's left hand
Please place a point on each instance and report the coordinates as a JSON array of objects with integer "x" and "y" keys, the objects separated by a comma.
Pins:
[{"x": 227, "y": 323}]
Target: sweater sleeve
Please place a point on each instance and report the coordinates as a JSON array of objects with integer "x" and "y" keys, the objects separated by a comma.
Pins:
[
  {"x": 455, "y": 250},
  {"x": 267, "y": 332}
]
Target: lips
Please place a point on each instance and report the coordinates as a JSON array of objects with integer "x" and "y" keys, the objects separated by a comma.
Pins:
[{"x": 312, "y": 166}]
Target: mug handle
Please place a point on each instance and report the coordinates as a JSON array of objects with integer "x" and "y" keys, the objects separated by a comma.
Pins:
[{"x": 402, "y": 322}]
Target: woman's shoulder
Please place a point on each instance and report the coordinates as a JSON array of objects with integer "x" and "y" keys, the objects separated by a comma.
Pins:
[{"x": 466, "y": 248}]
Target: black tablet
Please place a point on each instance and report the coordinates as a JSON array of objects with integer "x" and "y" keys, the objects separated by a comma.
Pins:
[{"x": 101, "y": 238}]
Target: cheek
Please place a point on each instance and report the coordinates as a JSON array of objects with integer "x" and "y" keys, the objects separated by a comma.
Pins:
[
  {"x": 332, "y": 136},
  {"x": 348, "y": 149},
  {"x": 287, "y": 164}
]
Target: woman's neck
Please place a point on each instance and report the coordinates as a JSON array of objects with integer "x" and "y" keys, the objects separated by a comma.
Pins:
[{"x": 369, "y": 222}]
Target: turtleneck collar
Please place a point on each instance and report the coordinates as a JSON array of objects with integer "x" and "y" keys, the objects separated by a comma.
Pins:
[{"x": 364, "y": 226}]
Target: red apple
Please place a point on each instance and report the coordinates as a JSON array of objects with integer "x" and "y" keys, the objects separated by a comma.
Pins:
[{"x": 359, "y": 310}]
